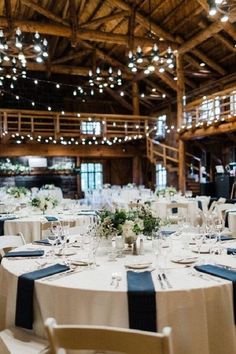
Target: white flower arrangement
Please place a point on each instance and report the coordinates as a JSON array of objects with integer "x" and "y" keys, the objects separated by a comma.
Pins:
[
  {"x": 166, "y": 192},
  {"x": 44, "y": 202},
  {"x": 18, "y": 192}
]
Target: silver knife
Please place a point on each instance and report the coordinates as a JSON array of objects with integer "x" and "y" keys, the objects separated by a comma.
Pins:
[
  {"x": 160, "y": 280},
  {"x": 166, "y": 280}
]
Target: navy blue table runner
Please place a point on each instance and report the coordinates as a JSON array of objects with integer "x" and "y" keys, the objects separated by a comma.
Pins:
[
  {"x": 25, "y": 294},
  {"x": 141, "y": 301}
]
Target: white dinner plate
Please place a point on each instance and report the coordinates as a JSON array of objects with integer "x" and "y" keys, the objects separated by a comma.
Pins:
[
  {"x": 80, "y": 263},
  {"x": 138, "y": 265},
  {"x": 66, "y": 252},
  {"x": 204, "y": 249},
  {"x": 184, "y": 260}
]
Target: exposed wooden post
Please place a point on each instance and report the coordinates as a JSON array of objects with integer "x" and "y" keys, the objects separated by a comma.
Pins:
[
  {"x": 137, "y": 173},
  {"x": 78, "y": 178},
  {"x": 180, "y": 94},
  {"x": 135, "y": 95}
]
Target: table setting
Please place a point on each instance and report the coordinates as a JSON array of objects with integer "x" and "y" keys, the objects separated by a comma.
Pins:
[{"x": 119, "y": 286}]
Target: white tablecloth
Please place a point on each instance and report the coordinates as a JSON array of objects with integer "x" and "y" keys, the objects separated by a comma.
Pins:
[{"x": 199, "y": 311}]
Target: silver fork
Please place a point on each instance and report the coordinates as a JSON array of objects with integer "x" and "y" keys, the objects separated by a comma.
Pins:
[
  {"x": 166, "y": 280},
  {"x": 160, "y": 280}
]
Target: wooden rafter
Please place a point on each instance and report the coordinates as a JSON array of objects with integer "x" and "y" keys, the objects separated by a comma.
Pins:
[
  {"x": 200, "y": 37},
  {"x": 74, "y": 23},
  {"x": 90, "y": 35}
]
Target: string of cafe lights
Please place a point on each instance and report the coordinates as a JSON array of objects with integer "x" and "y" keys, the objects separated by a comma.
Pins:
[{"x": 168, "y": 128}]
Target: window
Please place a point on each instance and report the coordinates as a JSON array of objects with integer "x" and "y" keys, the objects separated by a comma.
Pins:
[
  {"x": 161, "y": 124},
  {"x": 161, "y": 176},
  {"x": 93, "y": 128},
  {"x": 91, "y": 176},
  {"x": 233, "y": 103},
  {"x": 210, "y": 109}
]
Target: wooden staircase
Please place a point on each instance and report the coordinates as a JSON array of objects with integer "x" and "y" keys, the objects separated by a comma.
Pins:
[{"x": 169, "y": 157}]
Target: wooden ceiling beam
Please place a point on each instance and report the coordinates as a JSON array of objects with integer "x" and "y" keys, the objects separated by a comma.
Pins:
[
  {"x": 48, "y": 14},
  {"x": 167, "y": 79},
  {"x": 89, "y": 35},
  {"x": 211, "y": 63},
  {"x": 211, "y": 130},
  {"x": 99, "y": 21},
  {"x": 227, "y": 43},
  {"x": 200, "y": 37},
  {"x": 188, "y": 18},
  {"x": 63, "y": 69}
]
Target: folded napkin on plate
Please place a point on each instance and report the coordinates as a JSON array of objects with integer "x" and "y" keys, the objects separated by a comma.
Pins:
[
  {"x": 43, "y": 242},
  {"x": 51, "y": 218},
  {"x": 25, "y": 293},
  {"x": 222, "y": 237},
  {"x": 222, "y": 273},
  {"x": 36, "y": 253},
  {"x": 2, "y": 221},
  {"x": 231, "y": 250},
  {"x": 199, "y": 204},
  {"x": 167, "y": 232},
  {"x": 141, "y": 301}
]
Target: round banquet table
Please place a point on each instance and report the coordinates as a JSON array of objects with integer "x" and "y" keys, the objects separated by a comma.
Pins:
[
  {"x": 199, "y": 310},
  {"x": 32, "y": 226}
]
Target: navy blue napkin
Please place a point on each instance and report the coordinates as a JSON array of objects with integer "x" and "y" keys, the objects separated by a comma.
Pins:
[
  {"x": 221, "y": 238},
  {"x": 2, "y": 220},
  {"x": 25, "y": 293},
  {"x": 43, "y": 242},
  {"x": 141, "y": 301},
  {"x": 36, "y": 253},
  {"x": 199, "y": 203},
  {"x": 167, "y": 232},
  {"x": 227, "y": 216},
  {"x": 174, "y": 210},
  {"x": 51, "y": 218},
  {"x": 222, "y": 273},
  {"x": 231, "y": 250}
]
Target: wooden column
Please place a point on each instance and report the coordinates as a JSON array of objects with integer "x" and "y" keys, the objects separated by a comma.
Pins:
[
  {"x": 78, "y": 179},
  {"x": 135, "y": 95},
  {"x": 137, "y": 170},
  {"x": 180, "y": 114}
]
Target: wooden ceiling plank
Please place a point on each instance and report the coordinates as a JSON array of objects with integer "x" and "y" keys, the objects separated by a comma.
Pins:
[
  {"x": 69, "y": 57},
  {"x": 99, "y": 21},
  {"x": 144, "y": 20},
  {"x": 48, "y": 14},
  {"x": 187, "y": 19}
]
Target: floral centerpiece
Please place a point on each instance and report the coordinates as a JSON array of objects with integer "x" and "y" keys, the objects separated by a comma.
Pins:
[
  {"x": 18, "y": 192},
  {"x": 127, "y": 223},
  {"x": 166, "y": 192},
  {"x": 44, "y": 202}
]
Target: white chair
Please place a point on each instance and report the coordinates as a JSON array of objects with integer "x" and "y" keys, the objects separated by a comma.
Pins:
[
  {"x": 216, "y": 202},
  {"x": 17, "y": 341},
  {"x": 104, "y": 338},
  {"x": 11, "y": 241},
  {"x": 222, "y": 208},
  {"x": 180, "y": 208}
]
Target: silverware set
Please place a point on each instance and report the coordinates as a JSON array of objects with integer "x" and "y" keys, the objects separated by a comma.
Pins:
[
  {"x": 115, "y": 279},
  {"x": 164, "y": 281}
]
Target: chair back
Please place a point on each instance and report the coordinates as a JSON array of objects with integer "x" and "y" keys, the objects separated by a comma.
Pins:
[
  {"x": 11, "y": 241},
  {"x": 222, "y": 208},
  {"x": 104, "y": 338}
]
